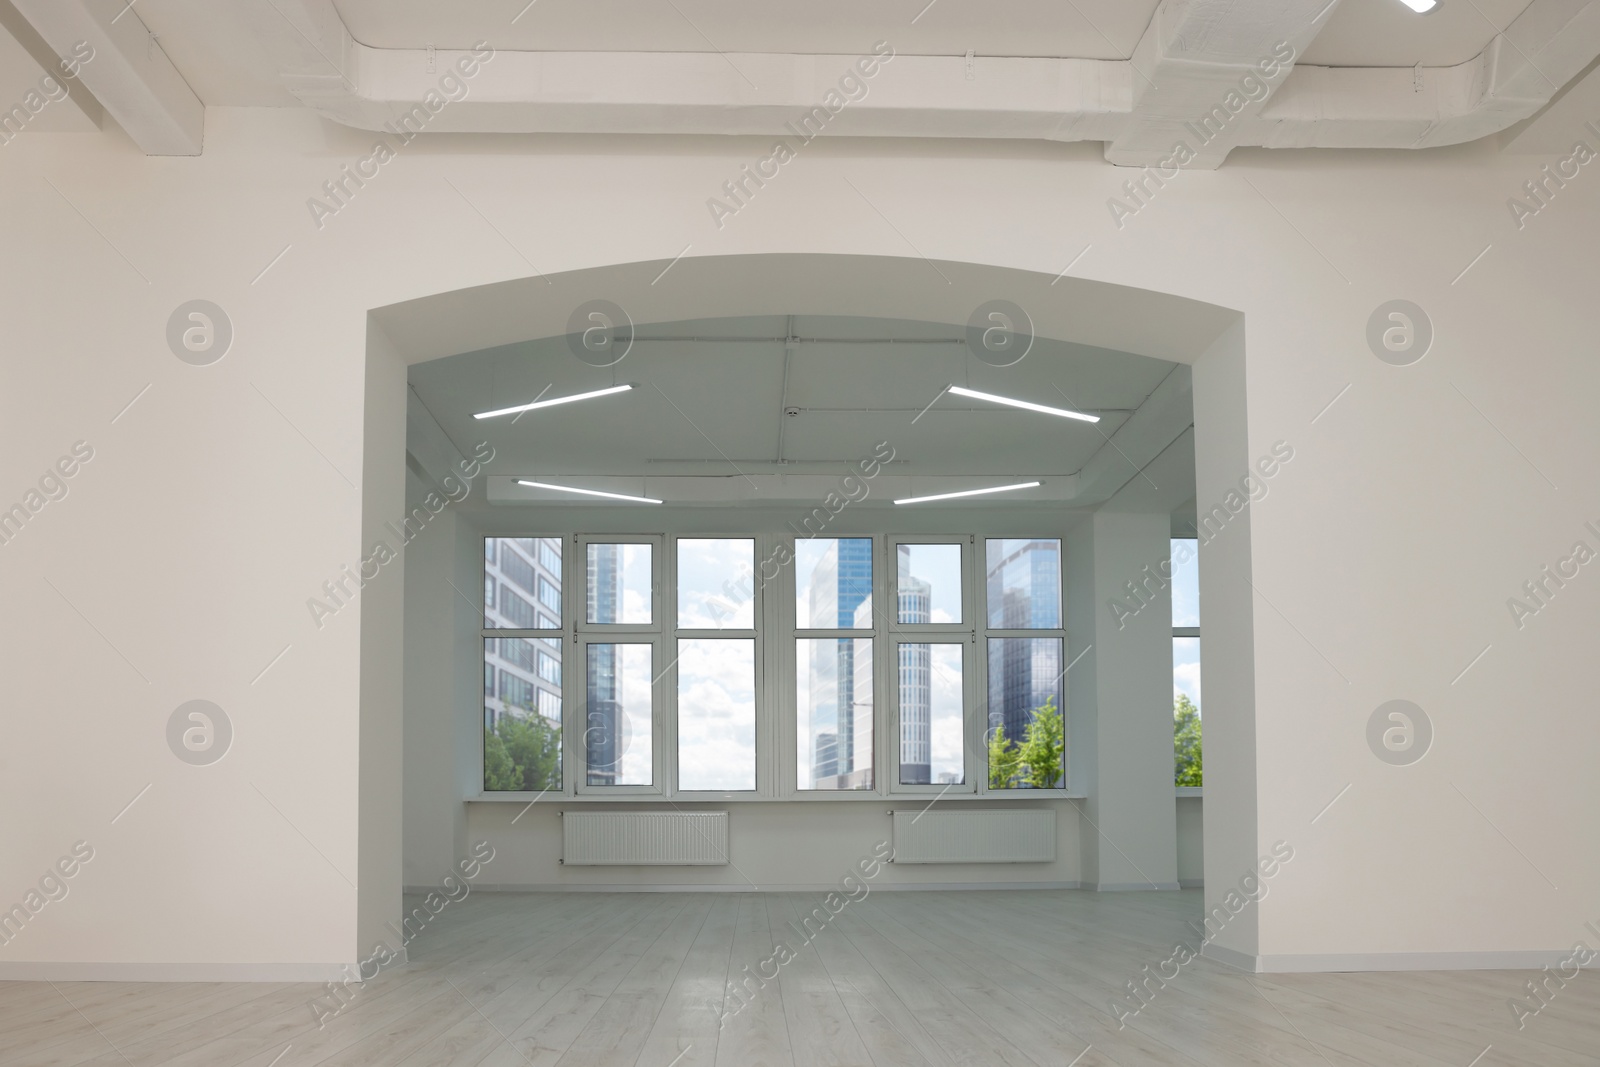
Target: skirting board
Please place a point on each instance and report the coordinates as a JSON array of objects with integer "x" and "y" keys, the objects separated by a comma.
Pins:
[
  {"x": 1513, "y": 960},
  {"x": 28, "y": 971},
  {"x": 1130, "y": 887},
  {"x": 895, "y": 887}
]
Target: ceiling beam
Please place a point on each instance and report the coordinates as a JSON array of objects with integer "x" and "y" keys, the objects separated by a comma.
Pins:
[
  {"x": 129, "y": 73},
  {"x": 1212, "y": 75},
  {"x": 1202, "y": 68}
]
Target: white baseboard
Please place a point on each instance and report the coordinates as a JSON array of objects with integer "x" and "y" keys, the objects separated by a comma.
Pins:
[
  {"x": 893, "y": 887},
  {"x": 1510, "y": 960},
  {"x": 1318, "y": 963},
  {"x": 44, "y": 971},
  {"x": 1129, "y": 887},
  {"x": 1191, "y": 883}
]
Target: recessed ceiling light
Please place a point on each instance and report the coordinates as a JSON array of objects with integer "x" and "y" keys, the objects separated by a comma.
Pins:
[
  {"x": 553, "y": 402},
  {"x": 968, "y": 492},
  {"x": 588, "y": 492},
  {"x": 1421, "y": 7},
  {"x": 1026, "y": 405}
]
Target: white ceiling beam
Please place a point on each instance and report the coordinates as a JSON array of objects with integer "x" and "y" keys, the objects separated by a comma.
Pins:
[
  {"x": 1202, "y": 69},
  {"x": 129, "y": 73},
  {"x": 1227, "y": 61}
]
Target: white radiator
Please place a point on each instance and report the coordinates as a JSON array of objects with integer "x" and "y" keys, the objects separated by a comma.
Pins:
[
  {"x": 1008, "y": 836},
  {"x": 644, "y": 837}
]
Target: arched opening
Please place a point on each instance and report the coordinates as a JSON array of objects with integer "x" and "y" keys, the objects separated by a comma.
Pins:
[{"x": 761, "y": 382}]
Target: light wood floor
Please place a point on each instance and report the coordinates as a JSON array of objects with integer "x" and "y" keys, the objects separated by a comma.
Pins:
[{"x": 924, "y": 978}]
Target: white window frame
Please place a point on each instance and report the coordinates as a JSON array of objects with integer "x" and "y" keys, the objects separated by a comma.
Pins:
[
  {"x": 575, "y": 607},
  {"x": 974, "y": 708},
  {"x": 765, "y": 716},
  {"x": 486, "y": 632},
  {"x": 789, "y": 633},
  {"x": 986, "y": 633}
]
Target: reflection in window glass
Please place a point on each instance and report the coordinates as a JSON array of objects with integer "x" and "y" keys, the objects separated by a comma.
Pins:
[
  {"x": 833, "y": 713},
  {"x": 617, "y": 721},
  {"x": 931, "y": 749},
  {"x": 930, "y": 583},
  {"x": 619, "y": 581},
  {"x": 1027, "y": 730},
  {"x": 716, "y": 714},
  {"x": 521, "y": 720},
  {"x": 1186, "y": 711},
  {"x": 833, "y": 583},
  {"x": 1024, "y": 583},
  {"x": 1185, "y": 581},
  {"x": 716, "y": 583}
]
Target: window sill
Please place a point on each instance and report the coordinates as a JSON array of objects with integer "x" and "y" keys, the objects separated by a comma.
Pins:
[
  {"x": 1190, "y": 790},
  {"x": 859, "y": 796}
]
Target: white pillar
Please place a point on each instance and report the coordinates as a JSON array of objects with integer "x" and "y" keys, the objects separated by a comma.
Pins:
[{"x": 1120, "y": 698}]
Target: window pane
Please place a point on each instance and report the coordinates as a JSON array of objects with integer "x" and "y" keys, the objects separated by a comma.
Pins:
[
  {"x": 521, "y": 719},
  {"x": 833, "y": 583},
  {"x": 1185, "y": 581},
  {"x": 1186, "y": 710},
  {"x": 931, "y": 749},
  {"x": 619, "y": 584},
  {"x": 833, "y": 713},
  {"x": 716, "y": 589},
  {"x": 1024, "y": 584},
  {"x": 930, "y": 583},
  {"x": 516, "y": 570},
  {"x": 1027, "y": 734},
  {"x": 618, "y": 721},
  {"x": 716, "y": 714}
]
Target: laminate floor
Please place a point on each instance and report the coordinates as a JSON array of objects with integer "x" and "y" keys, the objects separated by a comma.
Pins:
[{"x": 932, "y": 979}]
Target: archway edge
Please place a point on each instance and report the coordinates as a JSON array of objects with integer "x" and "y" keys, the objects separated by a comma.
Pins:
[{"x": 1064, "y": 308}]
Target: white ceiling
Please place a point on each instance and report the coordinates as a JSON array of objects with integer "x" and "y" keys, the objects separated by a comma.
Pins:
[
  {"x": 223, "y": 47},
  {"x": 1385, "y": 33},
  {"x": 1086, "y": 29},
  {"x": 708, "y": 407}
]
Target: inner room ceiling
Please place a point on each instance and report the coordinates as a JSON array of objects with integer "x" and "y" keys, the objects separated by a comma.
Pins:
[{"x": 715, "y": 407}]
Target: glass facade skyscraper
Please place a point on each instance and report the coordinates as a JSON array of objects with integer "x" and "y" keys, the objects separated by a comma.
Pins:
[{"x": 840, "y": 597}]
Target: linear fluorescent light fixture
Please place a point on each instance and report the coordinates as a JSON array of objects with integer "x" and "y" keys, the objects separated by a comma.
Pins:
[
  {"x": 1026, "y": 405},
  {"x": 589, "y": 492},
  {"x": 553, "y": 402},
  {"x": 1421, "y": 7},
  {"x": 968, "y": 492}
]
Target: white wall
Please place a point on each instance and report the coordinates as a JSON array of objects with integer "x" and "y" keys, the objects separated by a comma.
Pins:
[{"x": 1381, "y": 563}]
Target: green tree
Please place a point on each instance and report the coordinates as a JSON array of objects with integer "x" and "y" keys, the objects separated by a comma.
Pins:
[
  {"x": 1005, "y": 759},
  {"x": 522, "y": 752},
  {"x": 1186, "y": 741},
  {"x": 1043, "y": 745},
  {"x": 499, "y": 773}
]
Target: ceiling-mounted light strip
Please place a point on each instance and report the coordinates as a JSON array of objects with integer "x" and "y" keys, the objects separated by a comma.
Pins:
[
  {"x": 553, "y": 402},
  {"x": 968, "y": 492},
  {"x": 1421, "y": 7},
  {"x": 588, "y": 492},
  {"x": 1026, "y": 405}
]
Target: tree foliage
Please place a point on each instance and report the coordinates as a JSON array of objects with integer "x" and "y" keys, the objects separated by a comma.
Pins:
[
  {"x": 1186, "y": 741},
  {"x": 522, "y": 752},
  {"x": 1034, "y": 761}
]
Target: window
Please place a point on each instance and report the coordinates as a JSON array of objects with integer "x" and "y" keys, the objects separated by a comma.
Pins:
[
  {"x": 522, "y": 696},
  {"x": 920, "y": 664},
  {"x": 930, "y": 698},
  {"x": 1024, "y": 644},
  {"x": 716, "y": 663},
  {"x": 834, "y": 697},
  {"x": 620, "y": 636},
  {"x": 1187, "y": 764}
]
